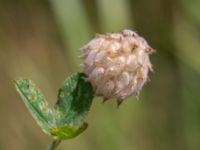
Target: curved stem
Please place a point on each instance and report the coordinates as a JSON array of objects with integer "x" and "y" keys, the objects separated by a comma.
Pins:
[{"x": 54, "y": 144}]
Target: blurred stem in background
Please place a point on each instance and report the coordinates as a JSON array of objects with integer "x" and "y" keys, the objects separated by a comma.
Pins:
[
  {"x": 74, "y": 27},
  {"x": 154, "y": 20},
  {"x": 92, "y": 12}
]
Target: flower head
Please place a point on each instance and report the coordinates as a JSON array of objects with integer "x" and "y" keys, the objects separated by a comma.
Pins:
[{"x": 117, "y": 64}]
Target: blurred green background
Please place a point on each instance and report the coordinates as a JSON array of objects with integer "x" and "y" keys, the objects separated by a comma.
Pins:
[{"x": 40, "y": 39}]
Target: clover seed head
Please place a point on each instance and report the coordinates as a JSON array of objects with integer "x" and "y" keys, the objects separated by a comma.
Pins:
[{"x": 117, "y": 64}]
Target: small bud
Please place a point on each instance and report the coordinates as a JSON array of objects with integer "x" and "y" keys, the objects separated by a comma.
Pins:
[{"x": 117, "y": 64}]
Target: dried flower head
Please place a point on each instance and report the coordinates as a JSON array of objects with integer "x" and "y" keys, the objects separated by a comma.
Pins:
[{"x": 117, "y": 64}]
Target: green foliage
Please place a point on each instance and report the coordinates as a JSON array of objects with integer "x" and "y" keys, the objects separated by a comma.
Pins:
[
  {"x": 65, "y": 120},
  {"x": 74, "y": 100},
  {"x": 36, "y": 103},
  {"x": 67, "y": 131}
]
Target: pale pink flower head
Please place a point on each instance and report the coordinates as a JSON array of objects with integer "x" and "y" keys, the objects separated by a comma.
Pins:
[{"x": 117, "y": 64}]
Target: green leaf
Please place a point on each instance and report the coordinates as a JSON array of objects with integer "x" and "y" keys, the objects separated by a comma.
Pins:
[
  {"x": 36, "y": 103},
  {"x": 66, "y": 119},
  {"x": 67, "y": 131},
  {"x": 74, "y": 101}
]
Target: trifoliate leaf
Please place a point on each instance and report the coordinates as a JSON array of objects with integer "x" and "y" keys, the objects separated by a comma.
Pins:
[{"x": 66, "y": 119}]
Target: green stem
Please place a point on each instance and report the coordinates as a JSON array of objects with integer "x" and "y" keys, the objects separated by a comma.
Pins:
[{"x": 54, "y": 144}]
